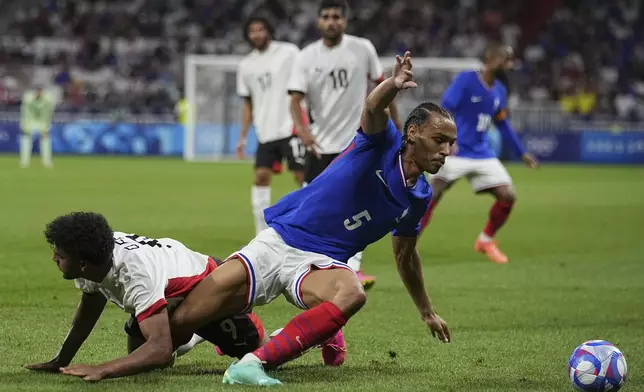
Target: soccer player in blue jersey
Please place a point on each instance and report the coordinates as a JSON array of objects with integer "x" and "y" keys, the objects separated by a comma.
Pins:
[
  {"x": 477, "y": 99},
  {"x": 374, "y": 187}
]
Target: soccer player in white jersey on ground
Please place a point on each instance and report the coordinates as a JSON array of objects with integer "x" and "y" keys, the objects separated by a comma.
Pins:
[
  {"x": 261, "y": 81},
  {"x": 36, "y": 113},
  {"x": 332, "y": 75},
  {"x": 145, "y": 277}
]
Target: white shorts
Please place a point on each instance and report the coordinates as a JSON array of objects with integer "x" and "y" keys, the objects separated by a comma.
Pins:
[
  {"x": 275, "y": 268},
  {"x": 482, "y": 173}
]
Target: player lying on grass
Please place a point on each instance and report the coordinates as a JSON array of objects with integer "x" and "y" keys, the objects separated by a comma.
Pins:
[
  {"x": 145, "y": 277},
  {"x": 376, "y": 186}
]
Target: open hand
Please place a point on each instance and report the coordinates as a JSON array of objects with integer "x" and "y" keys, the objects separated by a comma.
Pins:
[
  {"x": 307, "y": 138},
  {"x": 530, "y": 160},
  {"x": 239, "y": 149},
  {"x": 438, "y": 327},
  {"x": 403, "y": 77},
  {"x": 87, "y": 372},
  {"x": 51, "y": 366}
]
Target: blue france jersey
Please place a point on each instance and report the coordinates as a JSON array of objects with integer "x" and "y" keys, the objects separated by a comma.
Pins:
[
  {"x": 357, "y": 200},
  {"x": 474, "y": 106}
]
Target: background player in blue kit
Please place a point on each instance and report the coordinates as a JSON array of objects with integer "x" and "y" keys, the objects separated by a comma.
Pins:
[
  {"x": 376, "y": 186},
  {"x": 477, "y": 99}
]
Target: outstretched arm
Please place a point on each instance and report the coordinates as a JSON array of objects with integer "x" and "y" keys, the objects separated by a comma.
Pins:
[
  {"x": 508, "y": 134},
  {"x": 410, "y": 271},
  {"x": 247, "y": 119},
  {"x": 87, "y": 314},
  {"x": 374, "y": 115}
]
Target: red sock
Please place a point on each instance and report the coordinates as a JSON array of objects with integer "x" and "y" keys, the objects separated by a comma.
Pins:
[
  {"x": 428, "y": 215},
  {"x": 498, "y": 215},
  {"x": 306, "y": 330}
]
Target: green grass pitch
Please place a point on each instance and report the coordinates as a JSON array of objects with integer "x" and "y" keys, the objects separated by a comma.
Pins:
[{"x": 575, "y": 241}]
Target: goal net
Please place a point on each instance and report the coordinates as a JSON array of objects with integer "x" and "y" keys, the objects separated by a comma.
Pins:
[{"x": 214, "y": 119}]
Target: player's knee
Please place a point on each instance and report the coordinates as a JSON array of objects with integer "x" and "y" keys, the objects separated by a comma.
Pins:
[
  {"x": 506, "y": 195},
  {"x": 262, "y": 177},
  {"x": 350, "y": 299}
]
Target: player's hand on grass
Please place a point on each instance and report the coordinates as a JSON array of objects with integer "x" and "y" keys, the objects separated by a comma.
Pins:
[
  {"x": 86, "y": 372},
  {"x": 530, "y": 160},
  {"x": 403, "y": 77},
  {"x": 240, "y": 148},
  {"x": 438, "y": 327},
  {"x": 51, "y": 366}
]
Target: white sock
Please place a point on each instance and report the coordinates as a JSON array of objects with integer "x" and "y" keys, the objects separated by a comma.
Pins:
[
  {"x": 26, "y": 145},
  {"x": 355, "y": 261},
  {"x": 484, "y": 237},
  {"x": 45, "y": 150},
  {"x": 196, "y": 339},
  {"x": 260, "y": 199},
  {"x": 248, "y": 358}
]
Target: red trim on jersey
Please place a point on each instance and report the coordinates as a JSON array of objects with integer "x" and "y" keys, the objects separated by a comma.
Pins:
[
  {"x": 402, "y": 170},
  {"x": 154, "y": 308},
  {"x": 380, "y": 79},
  {"x": 345, "y": 152},
  {"x": 178, "y": 287}
]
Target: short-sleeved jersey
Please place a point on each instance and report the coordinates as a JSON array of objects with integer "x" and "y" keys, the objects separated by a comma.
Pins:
[
  {"x": 358, "y": 199},
  {"x": 474, "y": 106},
  {"x": 335, "y": 81},
  {"x": 147, "y": 271},
  {"x": 263, "y": 77}
]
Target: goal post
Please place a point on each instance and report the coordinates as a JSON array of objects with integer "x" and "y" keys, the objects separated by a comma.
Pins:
[{"x": 214, "y": 117}]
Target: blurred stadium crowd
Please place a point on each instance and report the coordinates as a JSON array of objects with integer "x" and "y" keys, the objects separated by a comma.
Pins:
[{"x": 127, "y": 55}]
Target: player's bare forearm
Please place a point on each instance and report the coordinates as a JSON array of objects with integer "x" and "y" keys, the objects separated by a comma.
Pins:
[
  {"x": 247, "y": 117},
  {"x": 151, "y": 355},
  {"x": 87, "y": 314},
  {"x": 395, "y": 115},
  {"x": 296, "y": 112},
  {"x": 155, "y": 352},
  {"x": 374, "y": 115},
  {"x": 410, "y": 271}
]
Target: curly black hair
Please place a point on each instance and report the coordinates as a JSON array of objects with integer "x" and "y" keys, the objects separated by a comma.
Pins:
[
  {"x": 421, "y": 113},
  {"x": 259, "y": 18},
  {"x": 83, "y": 236}
]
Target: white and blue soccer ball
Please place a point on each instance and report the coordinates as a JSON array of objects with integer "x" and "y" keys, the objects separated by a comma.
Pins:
[{"x": 597, "y": 366}]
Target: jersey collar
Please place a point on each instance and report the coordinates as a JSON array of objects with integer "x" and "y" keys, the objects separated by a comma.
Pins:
[{"x": 402, "y": 171}]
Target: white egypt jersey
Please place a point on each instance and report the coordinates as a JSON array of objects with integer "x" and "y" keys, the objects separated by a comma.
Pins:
[
  {"x": 335, "y": 81},
  {"x": 263, "y": 77},
  {"x": 147, "y": 271}
]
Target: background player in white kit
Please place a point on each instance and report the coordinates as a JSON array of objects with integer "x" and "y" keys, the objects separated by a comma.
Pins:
[
  {"x": 145, "y": 277},
  {"x": 36, "y": 112},
  {"x": 332, "y": 75},
  {"x": 261, "y": 81}
]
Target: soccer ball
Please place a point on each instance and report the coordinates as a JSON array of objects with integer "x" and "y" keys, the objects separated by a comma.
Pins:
[{"x": 597, "y": 366}]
